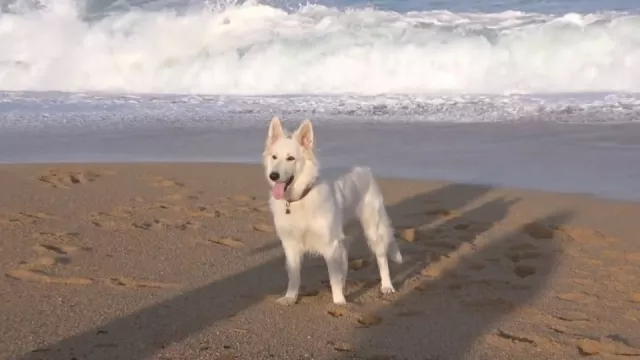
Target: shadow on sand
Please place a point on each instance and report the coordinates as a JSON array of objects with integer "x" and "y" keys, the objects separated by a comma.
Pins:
[
  {"x": 459, "y": 282},
  {"x": 433, "y": 308}
]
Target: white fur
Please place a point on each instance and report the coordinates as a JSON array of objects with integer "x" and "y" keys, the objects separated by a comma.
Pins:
[{"x": 316, "y": 221}]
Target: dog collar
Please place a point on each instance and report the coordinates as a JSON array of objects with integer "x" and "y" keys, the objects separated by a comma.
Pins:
[{"x": 304, "y": 193}]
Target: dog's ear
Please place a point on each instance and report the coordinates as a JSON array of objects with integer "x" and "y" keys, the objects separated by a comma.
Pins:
[
  {"x": 275, "y": 131},
  {"x": 304, "y": 134}
]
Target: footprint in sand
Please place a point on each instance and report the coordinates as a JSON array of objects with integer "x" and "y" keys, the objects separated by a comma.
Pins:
[
  {"x": 633, "y": 257},
  {"x": 505, "y": 338},
  {"x": 228, "y": 242},
  {"x": 40, "y": 276},
  {"x": 571, "y": 316},
  {"x": 266, "y": 228},
  {"x": 361, "y": 318},
  {"x": 198, "y": 211},
  {"x": 247, "y": 203},
  {"x": 577, "y": 297},
  {"x": 161, "y": 182},
  {"x": 51, "y": 255},
  {"x": 261, "y": 209},
  {"x": 59, "y": 237},
  {"x": 58, "y": 178},
  {"x": 337, "y": 312},
  {"x": 241, "y": 203},
  {"x": 584, "y": 234},
  {"x": 10, "y": 220},
  {"x": 163, "y": 206},
  {"x": 203, "y": 211},
  {"x": 107, "y": 220},
  {"x": 615, "y": 345},
  {"x": 120, "y": 217},
  {"x": 461, "y": 226},
  {"x": 187, "y": 225},
  {"x": 522, "y": 271},
  {"x": 447, "y": 261},
  {"x": 537, "y": 230},
  {"x": 369, "y": 319},
  {"x": 583, "y": 282},
  {"x": 242, "y": 198},
  {"x": 22, "y": 218},
  {"x": 36, "y": 215},
  {"x": 124, "y": 282},
  {"x": 522, "y": 252},
  {"x": 430, "y": 237},
  {"x": 114, "y": 219},
  {"x": 341, "y": 346},
  {"x": 57, "y": 249},
  {"x": 162, "y": 224},
  {"x": 442, "y": 213},
  {"x": 181, "y": 194}
]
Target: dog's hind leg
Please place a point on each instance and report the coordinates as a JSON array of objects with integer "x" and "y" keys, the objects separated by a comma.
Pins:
[
  {"x": 337, "y": 265},
  {"x": 294, "y": 265},
  {"x": 377, "y": 229},
  {"x": 386, "y": 287}
]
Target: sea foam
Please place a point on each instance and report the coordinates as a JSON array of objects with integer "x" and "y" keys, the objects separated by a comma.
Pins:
[{"x": 256, "y": 49}]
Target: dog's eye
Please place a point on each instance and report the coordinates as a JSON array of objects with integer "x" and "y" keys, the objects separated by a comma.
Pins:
[
  {"x": 290, "y": 158},
  {"x": 274, "y": 157}
]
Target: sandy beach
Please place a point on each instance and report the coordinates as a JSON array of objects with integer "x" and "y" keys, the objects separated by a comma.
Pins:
[
  {"x": 180, "y": 261},
  {"x": 134, "y": 219}
]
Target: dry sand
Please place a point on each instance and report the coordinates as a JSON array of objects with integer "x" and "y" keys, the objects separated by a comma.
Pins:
[{"x": 178, "y": 261}]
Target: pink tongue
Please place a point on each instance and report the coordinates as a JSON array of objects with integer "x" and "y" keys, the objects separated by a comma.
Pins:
[{"x": 278, "y": 191}]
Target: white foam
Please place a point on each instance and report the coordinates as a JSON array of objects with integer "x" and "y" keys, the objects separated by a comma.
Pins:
[
  {"x": 258, "y": 49},
  {"x": 43, "y": 111}
]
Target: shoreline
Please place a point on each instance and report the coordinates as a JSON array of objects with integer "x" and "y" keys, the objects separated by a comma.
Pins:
[
  {"x": 548, "y": 157},
  {"x": 180, "y": 261}
]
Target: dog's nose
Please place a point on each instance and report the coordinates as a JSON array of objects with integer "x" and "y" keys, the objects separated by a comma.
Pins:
[{"x": 274, "y": 176}]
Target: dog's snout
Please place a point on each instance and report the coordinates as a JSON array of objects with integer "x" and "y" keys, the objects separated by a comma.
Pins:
[{"x": 274, "y": 176}]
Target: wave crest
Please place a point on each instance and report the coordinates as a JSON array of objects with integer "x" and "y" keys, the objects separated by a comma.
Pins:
[{"x": 258, "y": 49}]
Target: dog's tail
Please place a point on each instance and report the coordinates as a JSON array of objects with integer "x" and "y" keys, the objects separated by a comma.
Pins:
[{"x": 374, "y": 218}]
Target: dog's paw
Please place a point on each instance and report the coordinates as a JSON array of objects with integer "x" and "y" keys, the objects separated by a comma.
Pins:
[
  {"x": 386, "y": 290},
  {"x": 341, "y": 301},
  {"x": 287, "y": 300}
]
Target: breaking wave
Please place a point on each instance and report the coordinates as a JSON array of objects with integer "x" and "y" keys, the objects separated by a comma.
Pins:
[{"x": 257, "y": 49}]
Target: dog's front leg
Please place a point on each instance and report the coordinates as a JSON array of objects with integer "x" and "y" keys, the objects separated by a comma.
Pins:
[
  {"x": 294, "y": 264},
  {"x": 337, "y": 265}
]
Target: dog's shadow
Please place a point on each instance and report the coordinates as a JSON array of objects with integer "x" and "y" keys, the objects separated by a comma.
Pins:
[
  {"x": 436, "y": 322},
  {"x": 458, "y": 279},
  {"x": 428, "y": 227}
]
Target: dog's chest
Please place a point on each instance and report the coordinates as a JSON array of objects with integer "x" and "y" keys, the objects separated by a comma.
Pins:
[
  {"x": 291, "y": 218},
  {"x": 299, "y": 224}
]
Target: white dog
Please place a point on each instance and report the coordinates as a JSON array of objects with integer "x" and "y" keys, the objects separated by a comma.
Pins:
[{"x": 310, "y": 216}]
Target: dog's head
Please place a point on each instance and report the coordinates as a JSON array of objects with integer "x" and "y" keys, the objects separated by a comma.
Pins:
[{"x": 285, "y": 155}]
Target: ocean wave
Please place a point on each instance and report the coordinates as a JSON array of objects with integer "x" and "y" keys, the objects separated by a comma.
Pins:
[{"x": 256, "y": 49}]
